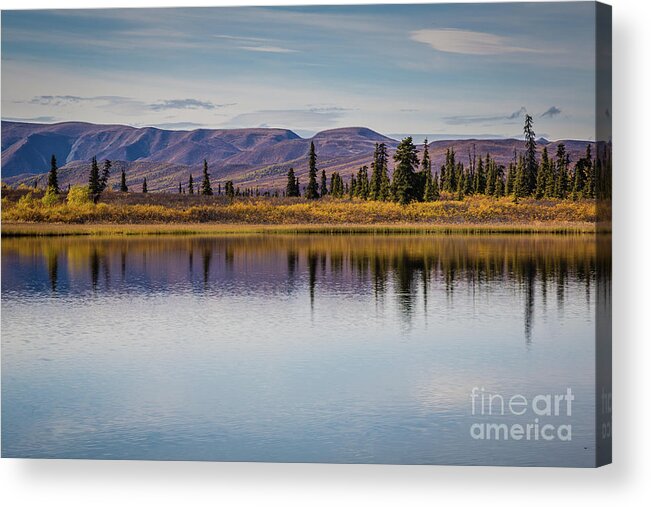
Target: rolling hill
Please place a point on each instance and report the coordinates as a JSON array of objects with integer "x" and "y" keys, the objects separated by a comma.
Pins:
[{"x": 249, "y": 157}]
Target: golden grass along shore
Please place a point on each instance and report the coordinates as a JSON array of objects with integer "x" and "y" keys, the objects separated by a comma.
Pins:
[{"x": 30, "y": 215}]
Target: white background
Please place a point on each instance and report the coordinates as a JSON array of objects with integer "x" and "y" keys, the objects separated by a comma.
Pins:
[{"x": 626, "y": 482}]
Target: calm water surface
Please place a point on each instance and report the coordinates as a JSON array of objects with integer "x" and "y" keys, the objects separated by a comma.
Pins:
[{"x": 294, "y": 348}]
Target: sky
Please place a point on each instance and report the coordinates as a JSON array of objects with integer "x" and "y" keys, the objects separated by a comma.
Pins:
[{"x": 445, "y": 70}]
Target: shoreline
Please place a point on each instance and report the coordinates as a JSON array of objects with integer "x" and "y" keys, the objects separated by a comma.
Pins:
[{"x": 36, "y": 229}]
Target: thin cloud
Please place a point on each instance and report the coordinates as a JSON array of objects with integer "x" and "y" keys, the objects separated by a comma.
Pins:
[
  {"x": 492, "y": 119},
  {"x": 466, "y": 42},
  {"x": 185, "y": 104},
  {"x": 328, "y": 109},
  {"x": 116, "y": 101},
  {"x": 551, "y": 112},
  {"x": 267, "y": 49},
  {"x": 55, "y": 100},
  {"x": 242, "y": 38},
  {"x": 36, "y": 119}
]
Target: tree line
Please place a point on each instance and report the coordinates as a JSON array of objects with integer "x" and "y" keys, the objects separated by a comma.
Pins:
[{"x": 413, "y": 178}]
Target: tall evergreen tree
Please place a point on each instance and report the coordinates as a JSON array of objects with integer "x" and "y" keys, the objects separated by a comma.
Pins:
[
  {"x": 379, "y": 171},
  {"x": 550, "y": 180},
  {"x": 53, "y": 178},
  {"x": 229, "y": 190},
  {"x": 479, "y": 186},
  {"x": 520, "y": 184},
  {"x": 431, "y": 191},
  {"x": 190, "y": 185},
  {"x": 406, "y": 159},
  {"x": 424, "y": 175},
  {"x": 123, "y": 182},
  {"x": 543, "y": 175},
  {"x": 324, "y": 184},
  {"x": 292, "y": 184},
  {"x": 530, "y": 162},
  {"x": 336, "y": 185},
  {"x": 385, "y": 187},
  {"x": 450, "y": 172},
  {"x": 312, "y": 191},
  {"x": 462, "y": 182},
  {"x": 491, "y": 176},
  {"x": 206, "y": 189},
  {"x": 94, "y": 184},
  {"x": 510, "y": 180},
  {"x": 362, "y": 184},
  {"x": 106, "y": 173},
  {"x": 144, "y": 186},
  {"x": 589, "y": 192},
  {"x": 499, "y": 181},
  {"x": 562, "y": 165},
  {"x": 431, "y": 188}
]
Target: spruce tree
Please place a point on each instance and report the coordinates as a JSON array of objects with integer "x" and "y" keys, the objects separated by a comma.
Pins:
[
  {"x": 144, "y": 186},
  {"x": 510, "y": 180},
  {"x": 406, "y": 159},
  {"x": 190, "y": 186},
  {"x": 499, "y": 181},
  {"x": 106, "y": 173},
  {"x": 520, "y": 184},
  {"x": 480, "y": 178},
  {"x": 123, "y": 182},
  {"x": 424, "y": 177},
  {"x": 206, "y": 189},
  {"x": 530, "y": 162},
  {"x": 562, "y": 163},
  {"x": 334, "y": 184},
  {"x": 362, "y": 187},
  {"x": 461, "y": 181},
  {"x": 589, "y": 192},
  {"x": 229, "y": 190},
  {"x": 312, "y": 191},
  {"x": 180, "y": 188},
  {"x": 550, "y": 181},
  {"x": 338, "y": 185},
  {"x": 53, "y": 178},
  {"x": 324, "y": 184},
  {"x": 385, "y": 188},
  {"x": 450, "y": 172},
  {"x": 543, "y": 175},
  {"x": 292, "y": 184},
  {"x": 379, "y": 171},
  {"x": 442, "y": 171},
  {"x": 431, "y": 187},
  {"x": 491, "y": 176},
  {"x": 93, "y": 179},
  {"x": 578, "y": 179}
]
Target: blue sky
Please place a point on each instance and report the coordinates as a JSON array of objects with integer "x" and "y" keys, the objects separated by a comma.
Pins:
[{"x": 455, "y": 69}]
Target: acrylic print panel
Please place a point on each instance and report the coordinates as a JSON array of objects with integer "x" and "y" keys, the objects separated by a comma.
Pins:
[{"x": 351, "y": 234}]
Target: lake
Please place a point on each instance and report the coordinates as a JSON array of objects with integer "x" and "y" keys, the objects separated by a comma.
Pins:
[{"x": 322, "y": 348}]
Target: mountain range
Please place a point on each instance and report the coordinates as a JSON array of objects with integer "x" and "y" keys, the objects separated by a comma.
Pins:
[{"x": 249, "y": 157}]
